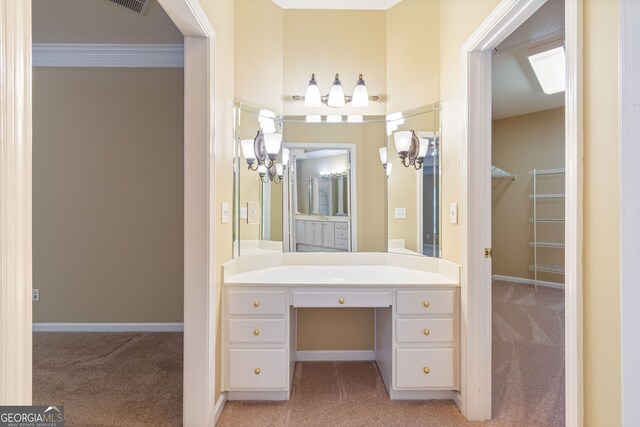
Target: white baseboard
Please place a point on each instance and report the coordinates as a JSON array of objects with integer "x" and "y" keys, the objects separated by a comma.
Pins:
[
  {"x": 222, "y": 400},
  {"x": 527, "y": 281},
  {"x": 108, "y": 327},
  {"x": 337, "y": 355}
]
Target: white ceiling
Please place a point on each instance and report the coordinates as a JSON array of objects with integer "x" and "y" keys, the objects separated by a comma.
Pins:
[
  {"x": 516, "y": 89},
  {"x": 337, "y": 4}
]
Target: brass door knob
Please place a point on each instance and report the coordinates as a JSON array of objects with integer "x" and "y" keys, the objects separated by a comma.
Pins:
[
  {"x": 256, "y": 332},
  {"x": 426, "y": 303},
  {"x": 426, "y": 370},
  {"x": 426, "y": 332},
  {"x": 257, "y": 371},
  {"x": 256, "y": 304},
  {"x": 341, "y": 300}
]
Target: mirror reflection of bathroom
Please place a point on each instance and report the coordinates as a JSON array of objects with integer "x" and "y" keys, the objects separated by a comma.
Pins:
[
  {"x": 259, "y": 169},
  {"x": 320, "y": 199},
  {"x": 412, "y": 160}
]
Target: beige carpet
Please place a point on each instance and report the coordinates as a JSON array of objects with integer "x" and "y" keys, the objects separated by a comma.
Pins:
[
  {"x": 528, "y": 354},
  {"x": 110, "y": 379},
  {"x": 136, "y": 379}
]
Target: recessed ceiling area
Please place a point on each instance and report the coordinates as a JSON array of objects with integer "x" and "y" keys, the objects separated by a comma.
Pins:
[
  {"x": 515, "y": 88},
  {"x": 337, "y": 4}
]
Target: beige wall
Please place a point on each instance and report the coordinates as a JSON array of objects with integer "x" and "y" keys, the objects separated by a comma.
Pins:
[
  {"x": 250, "y": 186},
  {"x": 326, "y": 42},
  {"x": 601, "y": 256},
  {"x": 458, "y": 20},
  {"x": 520, "y": 144},
  {"x": 99, "y": 21},
  {"x": 335, "y": 329},
  {"x": 107, "y": 194},
  {"x": 259, "y": 47},
  {"x": 413, "y": 54},
  {"x": 221, "y": 16}
]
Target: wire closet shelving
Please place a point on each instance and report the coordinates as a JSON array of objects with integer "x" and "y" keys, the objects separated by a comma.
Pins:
[{"x": 547, "y": 221}]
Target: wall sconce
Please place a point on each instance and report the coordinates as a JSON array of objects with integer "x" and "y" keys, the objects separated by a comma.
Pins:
[
  {"x": 336, "y": 97},
  {"x": 261, "y": 154},
  {"x": 410, "y": 148},
  {"x": 384, "y": 159}
]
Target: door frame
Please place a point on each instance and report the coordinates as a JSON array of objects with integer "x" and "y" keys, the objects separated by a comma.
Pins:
[
  {"x": 475, "y": 395},
  {"x": 199, "y": 248}
]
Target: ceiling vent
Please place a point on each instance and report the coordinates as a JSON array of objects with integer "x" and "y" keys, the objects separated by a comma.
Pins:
[{"x": 138, "y": 6}]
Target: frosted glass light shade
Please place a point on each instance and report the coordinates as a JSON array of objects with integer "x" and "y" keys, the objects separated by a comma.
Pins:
[
  {"x": 279, "y": 169},
  {"x": 389, "y": 169},
  {"x": 336, "y": 94},
  {"x": 272, "y": 142},
  {"x": 247, "y": 150},
  {"x": 383, "y": 155},
  {"x": 403, "y": 140},
  {"x": 312, "y": 97},
  {"x": 424, "y": 147},
  {"x": 360, "y": 95},
  {"x": 285, "y": 156},
  {"x": 262, "y": 170}
]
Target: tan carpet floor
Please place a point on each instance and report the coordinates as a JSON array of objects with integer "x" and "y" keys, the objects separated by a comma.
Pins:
[
  {"x": 136, "y": 379},
  {"x": 110, "y": 379}
]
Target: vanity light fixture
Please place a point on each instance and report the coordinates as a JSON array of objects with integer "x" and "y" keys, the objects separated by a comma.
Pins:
[
  {"x": 261, "y": 154},
  {"x": 336, "y": 97},
  {"x": 332, "y": 174},
  {"x": 411, "y": 149}
]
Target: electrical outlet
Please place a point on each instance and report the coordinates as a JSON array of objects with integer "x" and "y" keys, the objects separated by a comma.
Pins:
[
  {"x": 253, "y": 209},
  {"x": 401, "y": 213},
  {"x": 225, "y": 213},
  {"x": 35, "y": 296}
]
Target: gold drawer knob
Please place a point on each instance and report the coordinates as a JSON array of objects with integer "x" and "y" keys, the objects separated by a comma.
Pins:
[
  {"x": 426, "y": 303},
  {"x": 426, "y": 332},
  {"x": 256, "y": 304},
  {"x": 426, "y": 370},
  {"x": 257, "y": 371},
  {"x": 341, "y": 300},
  {"x": 256, "y": 332}
]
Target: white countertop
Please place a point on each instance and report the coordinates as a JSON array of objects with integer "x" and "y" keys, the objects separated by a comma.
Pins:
[{"x": 337, "y": 275}]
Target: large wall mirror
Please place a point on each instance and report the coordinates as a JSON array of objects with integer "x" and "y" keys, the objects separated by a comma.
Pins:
[
  {"x": 413, "y": 158},
  {"x": 337, "y": 183}
]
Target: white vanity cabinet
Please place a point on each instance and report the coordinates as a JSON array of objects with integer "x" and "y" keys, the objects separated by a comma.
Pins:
[
  {"x": 326, "y": 234},
  {"x": 257, "y": 342},
  {"x": 416, "y": 327}
]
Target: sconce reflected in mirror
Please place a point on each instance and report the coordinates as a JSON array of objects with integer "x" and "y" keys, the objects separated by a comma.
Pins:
[
  {"x": 261, "y": 154},
  {"x": 410, "y": 148}
]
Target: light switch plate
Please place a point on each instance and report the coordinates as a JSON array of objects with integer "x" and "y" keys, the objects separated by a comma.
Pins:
[
  {"x": 224, "y": 217},
  {"x": 453, "y": 213},
  {"x": 243, "y": 213},
  {"x": 253, "y": 214},
  {"x": 401, "y": 213}
]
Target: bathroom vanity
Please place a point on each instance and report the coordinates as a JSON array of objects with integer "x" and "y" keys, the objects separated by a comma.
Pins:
[{"x": 416, "y": 302}]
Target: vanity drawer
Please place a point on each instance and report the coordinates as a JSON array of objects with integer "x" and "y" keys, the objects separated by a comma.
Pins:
[
  {"x": 342, "y": 234},
  {"x": 341, "y": 299},
  {"x": 425, "y": 302},
  {"x": 257, "y": 369},
  {"x": 255, "y": 302},
  {"x": 341, "y": 226},
  {"x": 342, "y": 244},
  {"x": 425, "y": 368},
  {"x": 424, "y": 330},
  {"x": 256, "y": 330}
]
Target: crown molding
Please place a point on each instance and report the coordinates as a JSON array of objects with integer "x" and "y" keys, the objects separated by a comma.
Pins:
[
  {"x": 337, "y": 4},
  {"x": 108, "y": 55}
]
